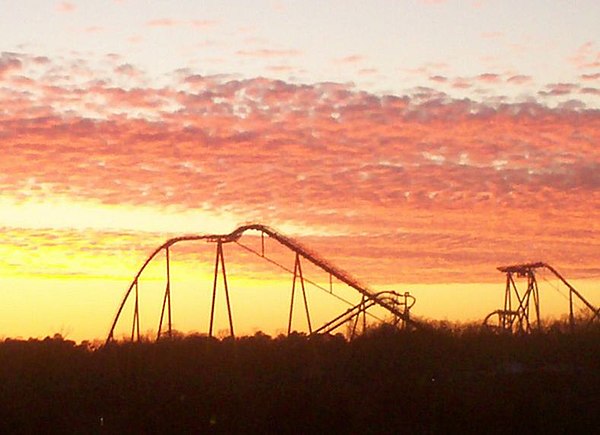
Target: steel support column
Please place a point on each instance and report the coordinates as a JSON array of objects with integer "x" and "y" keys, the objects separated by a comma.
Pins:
[
  {"x": 135, "y": 327},
  {"x": 220, "y": 258},
  {"x": 166, "y": 301},
  {"x": 298, "y": 274}
]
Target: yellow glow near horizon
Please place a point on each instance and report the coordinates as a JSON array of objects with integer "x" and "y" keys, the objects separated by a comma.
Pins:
[
  {"x": 80, "y": 297},
  {"x": 68, "y": 213},
  {"x": 65, "y": 265}
]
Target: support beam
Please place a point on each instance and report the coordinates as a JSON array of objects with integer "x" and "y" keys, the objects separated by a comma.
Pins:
[
  {"x": 298, "y": 274},
  {"x": 220, "y": 259},
  {"x": 166, "y": 301},
  {"x": 135, "y": 327}
]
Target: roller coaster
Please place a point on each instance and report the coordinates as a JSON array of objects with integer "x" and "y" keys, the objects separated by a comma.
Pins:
[
  {"x": 520, "y": 314},
  {"x": 396, "y": 304}
]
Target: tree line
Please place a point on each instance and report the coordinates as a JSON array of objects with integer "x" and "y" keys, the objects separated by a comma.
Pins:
[{"x": 447, "y": 378}]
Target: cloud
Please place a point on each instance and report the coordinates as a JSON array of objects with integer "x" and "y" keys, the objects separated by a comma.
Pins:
[
  {"x": 462, "y": 83},
  {"x": 128, "y": 70},
  {"x": 590, "y": 77},
  {"x": 438, "y": 79},
  {"x": 135, "y": 39},
  {"x": 164, "y": 22},
  {"x": 559, "y": 89},
  {"x": 590, "y": 91},
  {"x": 519, "y": 79},
  {"x": 452, "y": 183},
  {"x": 281, "y": 69},
  {"x": 492, "y": 35},
  {"x": 66, "y": 7},
  {"x": 352, "y": 59},
  {"x": 587, "y": 56},
  {"x": 488, "y": 78},
  {"x": 93, "y": 29},
  {"x": 267, "y": 53},
  {"x": 203, "y": 24},
  {"x": 368, "y": 71},
  {"x": 9, "y": 63}
]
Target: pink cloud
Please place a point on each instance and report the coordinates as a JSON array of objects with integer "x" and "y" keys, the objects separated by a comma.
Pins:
[
  {"x": 9, "y": 64},
  {"x": 94, "y": 29},
  {"x": 558, "y": 89},
  {"x": 587, "y": 56},
  {"x": 438, "y": 79},
  {"x": 352, "y": 59},
  {"x": 65, "y": 7},
  {"x": 268, "y": 53},
  {"x": 492, "y": 35},
  {"x": 367, "y": 71},
  {"x": 169, "y": 22},
  {"x": 488, "y": 78},
  {"x": 590, "y": 91},
  {"x": 444, "y": 169},
  {"x": 128, "y": 70},
  {"x": 462, "y": 83},
  {"x": 519, "y": 79},
  {"x": 202, "y": 24},
  {"x": 281, "y": 68},
  {"x": 135, "y": 39},
  {"x": 163, "y": 22},
  {"x": 589, "y": 77}
]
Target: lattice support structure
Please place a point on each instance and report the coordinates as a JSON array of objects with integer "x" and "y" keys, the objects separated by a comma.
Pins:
[
  {"x": 521, "y": 312},
  {"x": 357, "y": 314}
]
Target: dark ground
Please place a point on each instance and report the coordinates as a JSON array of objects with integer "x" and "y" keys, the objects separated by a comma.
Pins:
[{"x": 438, "y": 381}]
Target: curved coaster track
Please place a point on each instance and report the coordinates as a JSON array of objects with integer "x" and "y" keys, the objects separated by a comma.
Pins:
[{"x": 398, "y": 305}]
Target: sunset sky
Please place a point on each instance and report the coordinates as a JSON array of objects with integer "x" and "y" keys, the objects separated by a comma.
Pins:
[{"x": 417, "y": 144}]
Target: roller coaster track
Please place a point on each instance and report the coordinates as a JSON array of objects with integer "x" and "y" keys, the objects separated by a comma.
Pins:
[
  {"x": 521, "y": 312},
  {"x": 370, "y": 298}
]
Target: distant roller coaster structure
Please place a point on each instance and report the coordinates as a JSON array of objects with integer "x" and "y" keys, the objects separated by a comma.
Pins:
[
  {"x": 521, "y": 312},
  {"x": 397, "y": 304}
]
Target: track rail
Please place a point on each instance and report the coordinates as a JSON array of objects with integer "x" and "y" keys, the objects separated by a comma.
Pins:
[
  {"x": 286, "y": 241},
  {"x": 515, "y": 316}
]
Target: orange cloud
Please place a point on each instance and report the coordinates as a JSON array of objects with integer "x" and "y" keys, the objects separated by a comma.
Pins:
[
  {"x": 426, "y": 186},
  {"x": 65, "y": 7}
]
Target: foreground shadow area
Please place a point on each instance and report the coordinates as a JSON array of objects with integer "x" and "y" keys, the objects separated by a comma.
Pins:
[{"x": 387, "y": 381}]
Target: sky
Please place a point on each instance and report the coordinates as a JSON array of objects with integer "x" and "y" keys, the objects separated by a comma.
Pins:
[{"x": 416, "y": 144}]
